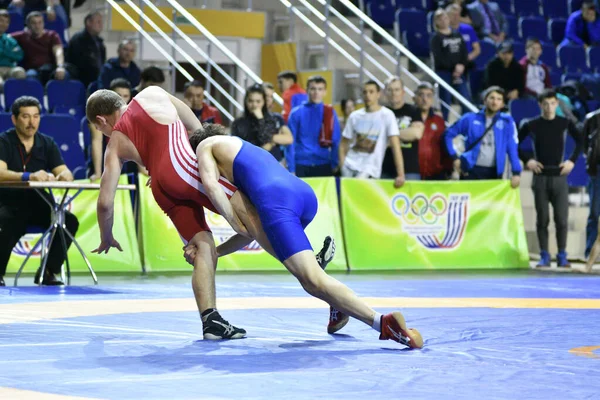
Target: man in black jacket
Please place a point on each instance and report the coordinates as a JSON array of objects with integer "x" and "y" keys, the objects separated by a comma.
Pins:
[
  {"x": 86, "y": 49},
  {"x": 591, "y": 146},
  {"x": 506, "y": 72}
]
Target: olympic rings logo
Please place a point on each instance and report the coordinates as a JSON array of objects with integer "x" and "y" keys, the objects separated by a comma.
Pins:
[{"x": 420, "y": 209}]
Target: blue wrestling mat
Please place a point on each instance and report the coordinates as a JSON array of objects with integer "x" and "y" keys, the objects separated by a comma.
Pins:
[{"x": 524, "y": 336}]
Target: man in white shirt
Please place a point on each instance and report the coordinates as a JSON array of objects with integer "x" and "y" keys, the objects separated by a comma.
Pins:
[{"x": 365, "y": 139}]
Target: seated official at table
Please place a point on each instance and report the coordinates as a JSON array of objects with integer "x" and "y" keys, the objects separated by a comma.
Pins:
[{"x": 28, "y": 155}]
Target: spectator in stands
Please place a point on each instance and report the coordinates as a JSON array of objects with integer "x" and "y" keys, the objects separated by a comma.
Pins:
[
  {"x": 293, "y": 95},
  {"x": 10, "y": 52},
  {"x": 410, "y": 126},
  {"x": 548, "y": 133},
  {"x": 348, "y": 106},
  {"x": 151, "y": 76},
  {"x": 122, "y": 66},
  {"x": 591, "y": 132},
  {"x": 260, "y": 127},
  {"x": 490, "y": 135},
  {"x": 583, "y": 26},
  {"x": 86, "y": 51},
  {"x": 536, "y": 73},
  {"x": 43, "y": 51},
  {"x": 99, "y": 142},
  {"x": 269, "y": 90},
  {"x": 505, "y": 71},
  {"x": 464, "y": 17},
  {"x": 434, "y": 165},
  {"x": 53, "y": 8},
  {"x": 316, "y": 131},
  {"x": 26, "y": 154},
  {"x": 468, "y": 34},
  {"x": 365, "y": 139},
  {"x": 193, "y": 93},
  {"x": 450, "y": 58},
  {"x": 489, "y": 20}
]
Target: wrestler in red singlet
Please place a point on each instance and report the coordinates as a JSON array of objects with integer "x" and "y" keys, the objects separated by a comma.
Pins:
[{"x": 166, "y": 153}]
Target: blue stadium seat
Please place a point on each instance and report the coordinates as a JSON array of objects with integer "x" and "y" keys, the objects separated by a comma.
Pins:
[
  {"x": 549, "y": 55},
  {"x": 519, "y": 48},
  {"x": 574, "y": 5},
  {"x": 412, "y": 27},
  {"x": 556, "y": 77},
  {"x": 533, "y": 26},
  {"x": 555, "y": 8},
  {"x": 505, "y": 6},
  {"x": 76, "y": 112},
  {"x": 5, "y": 121},
  {"x": 594, "y": 57},
  {"x": 513, "y": 26},
  {"x": 64, "y": 130},
  {"x": 570, "y": 76},
  {"x": 476, "y": 81},
  {"x": 65, "y": 93},
  {"x": 17, "y": 23},
  {"x": 523, "y": 108},
  {"x": 92, "y": 87},
  {"x": 578, "y": 177},
  {"x": 525, "y": 8},
  {"x": 556, "y": 29},
  {"x": 488, "y": 52},
  {"x": 572, "y": 58},
  {"x": 593, "y": 105},
  {"x": 58, "y": 26},
  {"x": 382, "y": 12},
  {"x": 14, "y": 88},
  {"x": 410, "y": 4}
]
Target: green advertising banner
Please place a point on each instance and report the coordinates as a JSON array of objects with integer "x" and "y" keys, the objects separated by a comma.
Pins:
[
  {"x": 433, "y": 225},
  {"x": 88, "y": 236},
  {"x": 162, "y": 246}
]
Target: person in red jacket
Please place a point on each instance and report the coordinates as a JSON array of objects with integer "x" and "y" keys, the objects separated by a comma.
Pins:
[
  {"x": 293, "y": 95},
  {"x": 535, "y": 72},
  {"x": 193, "y": 93},
  {"x": 434, "y": 164}
]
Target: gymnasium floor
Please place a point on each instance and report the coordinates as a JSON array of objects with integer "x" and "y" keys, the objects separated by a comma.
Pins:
[{"x": 507, "y": 335}]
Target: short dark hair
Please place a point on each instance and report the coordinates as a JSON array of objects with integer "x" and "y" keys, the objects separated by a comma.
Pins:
[
  {"x": 5, "y": 14},
  {"x": 195, "y": 83},
  {"x": 532, "y": 40},
  {"x": 493, "y": 89},
  {"x": 119, "y": 83},
  {"x": 424, "y": 86},
  {"x": 207, "y": 130},
  {"x": 102, "y": 102},
  {"x": 547, "y": 94},
  {"x": 288, "y": 75},
  {"x": 372, "y": 82},
  {"x": 31, "y": 15},
  {"x": 268, "y": 85},
  {"x": 24, "y": 101},
  {"x": 316, "y": 79},
  {"x": 90, "y": 15},
  {"x": 153, "y": 74}
]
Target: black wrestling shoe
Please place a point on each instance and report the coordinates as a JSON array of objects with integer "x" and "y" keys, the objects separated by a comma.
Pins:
[
  {"x": 216, "y": 328},
  {"x": 327, "y": 252},
  {"x": 49, "y": 279}
]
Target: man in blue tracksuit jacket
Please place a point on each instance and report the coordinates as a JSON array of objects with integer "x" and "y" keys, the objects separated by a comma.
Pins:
[{"x": 485, "y": 147}]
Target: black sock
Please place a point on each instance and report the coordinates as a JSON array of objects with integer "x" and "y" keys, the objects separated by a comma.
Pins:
[{"x": 207, "y": 312}]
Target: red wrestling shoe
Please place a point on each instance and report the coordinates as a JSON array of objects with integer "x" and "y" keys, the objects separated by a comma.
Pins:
[
  {"x": 337, "y": 320},
  {"x": 393, "y": 327}
]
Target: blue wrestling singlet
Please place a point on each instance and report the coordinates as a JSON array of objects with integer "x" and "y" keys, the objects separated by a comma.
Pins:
[{"x": 285, "y": 203}]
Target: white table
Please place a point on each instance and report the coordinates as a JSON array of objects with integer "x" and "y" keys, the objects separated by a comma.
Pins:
[{"x": 57, "y": 224}]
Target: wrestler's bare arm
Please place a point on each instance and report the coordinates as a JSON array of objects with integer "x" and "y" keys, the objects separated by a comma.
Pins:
[
  {"x": 106, "y": 199},
  {"x": 186, "y": 115}
]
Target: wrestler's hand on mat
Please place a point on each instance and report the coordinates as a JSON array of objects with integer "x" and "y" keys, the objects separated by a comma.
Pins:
[{"x": 106, "y": 244}]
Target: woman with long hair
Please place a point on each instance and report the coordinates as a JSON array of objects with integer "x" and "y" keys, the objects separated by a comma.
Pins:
[{"x": 258, "y": 126}]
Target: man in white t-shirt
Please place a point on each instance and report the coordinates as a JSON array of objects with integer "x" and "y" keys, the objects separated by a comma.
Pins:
[{"x": 365, "y": 139}]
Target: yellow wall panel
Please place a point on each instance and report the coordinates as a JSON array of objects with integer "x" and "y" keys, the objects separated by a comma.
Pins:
[{"x": 218, "y": 22}]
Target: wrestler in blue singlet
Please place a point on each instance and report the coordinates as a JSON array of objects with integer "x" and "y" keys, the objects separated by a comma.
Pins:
[{"x": 285, "y": 203}]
